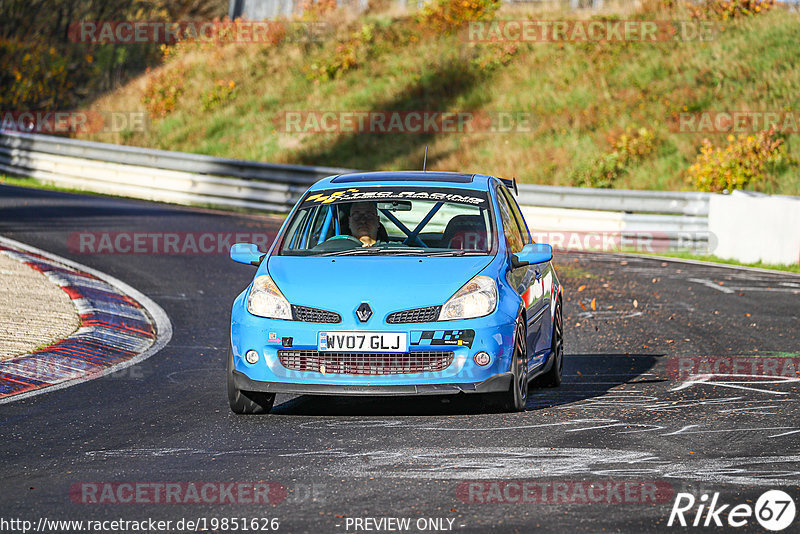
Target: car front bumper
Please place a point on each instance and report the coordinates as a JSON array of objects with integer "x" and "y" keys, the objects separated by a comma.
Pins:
[
  {"x": 492, "y": 334},
  {"x": 497, "y": 383}
]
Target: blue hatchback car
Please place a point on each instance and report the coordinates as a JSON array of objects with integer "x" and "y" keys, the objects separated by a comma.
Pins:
[{"x": 397, "y": 283}]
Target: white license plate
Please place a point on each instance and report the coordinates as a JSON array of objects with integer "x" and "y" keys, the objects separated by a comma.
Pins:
[{"x": 362, "y": 342}]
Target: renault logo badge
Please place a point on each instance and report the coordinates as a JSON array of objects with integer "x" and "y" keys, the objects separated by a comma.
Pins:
[{"x": 363, "y": 312}]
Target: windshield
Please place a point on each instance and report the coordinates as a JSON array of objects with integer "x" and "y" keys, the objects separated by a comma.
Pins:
[{"x": 385, "y": 221}]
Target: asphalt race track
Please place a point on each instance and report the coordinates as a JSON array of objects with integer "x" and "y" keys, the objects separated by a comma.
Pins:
[{"x": 644, "y": 408}]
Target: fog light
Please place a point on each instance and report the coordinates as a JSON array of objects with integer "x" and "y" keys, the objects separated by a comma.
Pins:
[
  {"x": 482, "y": 358},
  {"x": 251, "y": 357}
]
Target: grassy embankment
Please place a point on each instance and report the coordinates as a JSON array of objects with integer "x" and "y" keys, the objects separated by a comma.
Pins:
[{"x": 227, "y": 100}]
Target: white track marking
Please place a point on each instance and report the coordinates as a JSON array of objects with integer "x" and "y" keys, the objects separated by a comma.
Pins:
[
  {"x": 784, "y": 434},
  {"x": 750, "y": 410},
  {"x": 745, "y": 289},
  {"x": 159, "y": 316},
  {"x": 681, "y": 431},
  {"x": 482, "y": 463},
  {"x": 712, "y": 285},
  {"x": 543, "y": 462},
  {"x": 774, "y": 272},
  {"x": 709, "y": 381}
]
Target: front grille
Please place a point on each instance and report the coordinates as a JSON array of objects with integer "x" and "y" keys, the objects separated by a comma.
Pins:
[
  {"x": 417, "y": 315},
  {"x": 314, "y": 315},
  {"x": 366, "y": 363}
]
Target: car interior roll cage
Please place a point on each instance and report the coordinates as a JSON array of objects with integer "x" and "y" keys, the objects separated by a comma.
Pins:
[{"x": 333, "y": 215}]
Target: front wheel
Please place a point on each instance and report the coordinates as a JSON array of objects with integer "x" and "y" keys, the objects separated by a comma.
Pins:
[
  {"x": 246, "y": 402},
  {"x": 515, "y": 399},
  {"x": 552, "y": 378}
]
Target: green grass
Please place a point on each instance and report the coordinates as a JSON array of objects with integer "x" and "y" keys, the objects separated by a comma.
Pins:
[
  {"x": 579, "y": 96},
  {"x": 36, "y": 184},
  {"x": 569, "y": 270},
  {"x": 714, "y": 259}
]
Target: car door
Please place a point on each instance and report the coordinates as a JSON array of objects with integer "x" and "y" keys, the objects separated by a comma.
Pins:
[
  {"x": 543, "y": 274},
  {"x": 525, "y": 280}
]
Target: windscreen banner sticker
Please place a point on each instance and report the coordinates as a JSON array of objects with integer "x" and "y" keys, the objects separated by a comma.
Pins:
[
  {"x": 436, "y": 194},
  {"x": 432, "y": 338}
]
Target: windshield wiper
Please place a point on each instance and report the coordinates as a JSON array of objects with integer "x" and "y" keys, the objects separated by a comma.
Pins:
[
  {"x": 459, "y": 253},
  {"x": 375, "y": 250},
  {"x": 349, "y": 252},
  {"x": 389, "y": 251}
]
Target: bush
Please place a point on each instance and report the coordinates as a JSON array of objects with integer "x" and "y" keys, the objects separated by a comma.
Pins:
[
  {"x": 347, "y": 55},
  {"x": 223, "y": 91},
  {"x": 163, "y": 91},
  {"x": 315, "y": 9},
  {"x": 729, "y": 9},
  {"x": 225, "y": 32},
  {"x": 33, "y": 76},
  {"x": 44, "y": 65},
  {"x": 628, "y": 148},
  {"x": 746, "y": 161},
  {"x": 494, "y": 56},
  {"x": 446, "y": 16}
]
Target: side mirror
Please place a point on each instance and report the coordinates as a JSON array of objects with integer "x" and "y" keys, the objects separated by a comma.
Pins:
[
  {"x": 246, "y": 253},
  {"x": 532, "y": 254}
]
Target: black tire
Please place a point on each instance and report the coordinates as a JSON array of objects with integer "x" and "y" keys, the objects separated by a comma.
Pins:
[
  {"x": 516, "y": 398},
  {"x": 552, "y": 378},
  {"x": 247, "y": 402}
]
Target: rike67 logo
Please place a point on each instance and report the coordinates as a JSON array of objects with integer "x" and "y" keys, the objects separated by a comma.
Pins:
[{"x": 774, "y": 510}]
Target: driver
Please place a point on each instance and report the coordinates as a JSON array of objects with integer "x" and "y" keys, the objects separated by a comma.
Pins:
[{"x": 364, "y": 222}]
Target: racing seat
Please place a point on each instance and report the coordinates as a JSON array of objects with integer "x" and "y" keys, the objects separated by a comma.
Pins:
[{"x": 465, "y": 232}]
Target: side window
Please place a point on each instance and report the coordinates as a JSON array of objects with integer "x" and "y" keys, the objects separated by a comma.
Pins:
[
  {"x": 517, "y": 215},
  {"x": 510, "y": 227},
  {"x": 316, "y": 226},
  {"x": 298, "y": 230}
]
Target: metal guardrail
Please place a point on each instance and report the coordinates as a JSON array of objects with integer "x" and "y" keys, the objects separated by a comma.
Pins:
[
  {"x": 664, "y": 202},
  {"x": 157, "y": 174},
  {"x": 198, "y": 179}
]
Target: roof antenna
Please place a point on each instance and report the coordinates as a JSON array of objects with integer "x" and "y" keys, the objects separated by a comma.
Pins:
[{"x": 425, "y": 161}]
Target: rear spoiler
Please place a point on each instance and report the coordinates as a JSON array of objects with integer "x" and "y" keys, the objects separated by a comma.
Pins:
[{"x": 511, "y": 184}]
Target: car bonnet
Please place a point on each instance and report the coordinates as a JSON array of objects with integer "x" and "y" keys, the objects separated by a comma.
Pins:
[{"x": 388, "y": 284}]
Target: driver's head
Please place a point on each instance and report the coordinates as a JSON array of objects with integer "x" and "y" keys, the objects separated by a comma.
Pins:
[{"x": 364, "y": 222}]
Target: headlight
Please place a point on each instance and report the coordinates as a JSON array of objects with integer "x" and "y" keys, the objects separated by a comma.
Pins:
[
  {"x": 477, "y": 298},
  {"x": 266, "y": 300}
]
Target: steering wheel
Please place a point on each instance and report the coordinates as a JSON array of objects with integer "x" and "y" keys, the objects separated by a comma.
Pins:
[
  {"x": 338, "y": 243},
  {"x": 343, "y": 237}
]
